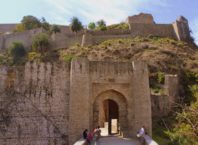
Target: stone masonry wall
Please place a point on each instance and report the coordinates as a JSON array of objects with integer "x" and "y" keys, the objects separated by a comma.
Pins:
[
  {"x": 23, "y": 37},
  {"x": 161, "y": 30},
  {"x": 34, "y": 104},
  {"x": 7, "y": 28}
]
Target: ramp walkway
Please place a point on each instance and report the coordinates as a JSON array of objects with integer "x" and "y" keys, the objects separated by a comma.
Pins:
[{"x": 114, "y": 140}]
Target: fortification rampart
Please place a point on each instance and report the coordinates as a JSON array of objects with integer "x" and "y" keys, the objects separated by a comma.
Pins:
[
  {"x": 51, "y": 104},
  {"x": 139, "y": 25},
  {"x": 6, "y": 28},
  {"x": 23, "y": 37},
  {"x": 161, "y": 30}
]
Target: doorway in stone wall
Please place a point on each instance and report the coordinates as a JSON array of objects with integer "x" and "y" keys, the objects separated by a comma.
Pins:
[
  {"x": 110, "y": 113},
  {"x": 111, "y": 116}
]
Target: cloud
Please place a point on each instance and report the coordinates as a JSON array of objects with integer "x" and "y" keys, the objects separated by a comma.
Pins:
[{"x": 112, "y": 11}]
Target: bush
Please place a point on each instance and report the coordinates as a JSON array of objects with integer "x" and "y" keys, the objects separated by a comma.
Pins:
[
  {"x": 122, "y": 26},
  {"x": 101, "y": 25},
  {"x": 17, "y": 52},
  {"x": 160, "y": 77},
  {"x": 40, "y": 43},
  {"x": 34, "y": 56},
  {"x": 92, "y": 26},
  {"x": 68, "y": 58}
]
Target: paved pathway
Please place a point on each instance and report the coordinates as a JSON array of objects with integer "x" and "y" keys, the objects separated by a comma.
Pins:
[{"x": 116, "y": 141}]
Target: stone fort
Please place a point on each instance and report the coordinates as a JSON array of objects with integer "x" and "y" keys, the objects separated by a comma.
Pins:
[
  {"x": 51, "y": 104},
  {"x": 139, "y": 25}
]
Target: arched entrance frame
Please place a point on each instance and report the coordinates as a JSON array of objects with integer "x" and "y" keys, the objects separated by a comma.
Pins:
[{"x": 120, "y": 99}]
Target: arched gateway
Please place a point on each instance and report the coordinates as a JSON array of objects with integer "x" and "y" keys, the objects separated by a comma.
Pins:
[
  {"x": 115, "y": 93},
  {"x": 110, "y": 107}
]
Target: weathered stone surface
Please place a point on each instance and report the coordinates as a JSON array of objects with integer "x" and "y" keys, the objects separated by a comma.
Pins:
[
  {"x": 141, "y": 18},
  {"x": 52, "y": 104}
]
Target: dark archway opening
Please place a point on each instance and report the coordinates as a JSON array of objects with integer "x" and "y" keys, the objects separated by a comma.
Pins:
[{"x": 111, "y": 116}]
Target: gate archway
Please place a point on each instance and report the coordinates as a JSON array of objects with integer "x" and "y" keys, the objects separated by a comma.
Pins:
[{"x": 118, "y": 104}]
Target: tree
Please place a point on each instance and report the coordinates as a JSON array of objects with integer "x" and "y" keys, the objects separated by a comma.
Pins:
[
  {"x": 17, "y": 51},
  {"x": 55, "y": 29},
  {"x": 101, "y": 25},
  {"x": 185, "y": 129},
  {"x": 30, "y": 22},
  {"x": 76, "y": 25},
  {"x": 44, "y": 24},
  {"x": 40, "y": 42},
  {"x": 92, "y": 26}
]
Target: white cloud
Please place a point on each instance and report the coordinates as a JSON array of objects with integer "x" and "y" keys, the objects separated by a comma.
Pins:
[{"x": 112, "y": 11}]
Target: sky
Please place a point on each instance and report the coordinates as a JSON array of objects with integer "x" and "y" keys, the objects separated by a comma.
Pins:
[{"x": 112, "y": 11}]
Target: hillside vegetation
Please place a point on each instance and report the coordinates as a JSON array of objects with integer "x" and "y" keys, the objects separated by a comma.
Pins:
[{"x": 163, "y": 54}]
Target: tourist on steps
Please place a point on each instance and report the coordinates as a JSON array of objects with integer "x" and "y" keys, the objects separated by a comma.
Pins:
[
  {"x": 89, "y": 137},
  {"x": 141, "y": 134},
  {"x": 97, "y": 132},
  {"x": 85, "y": 132}
]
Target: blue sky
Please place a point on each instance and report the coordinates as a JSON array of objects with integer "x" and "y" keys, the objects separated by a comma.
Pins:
[{"x": 112, "y": 11}]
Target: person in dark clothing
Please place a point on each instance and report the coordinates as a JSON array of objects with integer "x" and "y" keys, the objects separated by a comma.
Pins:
[{"x": 85, "y": 132}]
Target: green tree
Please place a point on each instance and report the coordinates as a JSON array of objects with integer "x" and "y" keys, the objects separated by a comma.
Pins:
[
  {"x": 17, "y": 52},
  {"x": 40, "y": 43},
  {"x": 30, "y": 22},
  {"x": 44, "y": 24},
  {"x": 92, "y": 26},
  {"x": 101, "y": 25},
  {"x": 76, "y": 25},
  {"x": 185, "y": 130},
  {"x": 55, "y": 29}
]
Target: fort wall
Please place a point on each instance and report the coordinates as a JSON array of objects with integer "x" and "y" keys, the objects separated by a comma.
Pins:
[
  {"x": 161, "y": 30},
  {"x": 139, "y": 25},
  {"x": 52, "y": 104},
  {"x": 34, "y": 104},
  {"x": 7, "y": 28}
]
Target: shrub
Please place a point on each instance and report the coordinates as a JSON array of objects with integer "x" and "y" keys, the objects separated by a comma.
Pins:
[
  {"x": 40, "y": 43},
  {"x": 68, "y": 58},
  {"x": 101, "y": 25},
  {"x": 17, "y": 52},
  {"x": 160, "y": 77},
  {"x": 92, "y": 26},
  {"x": 34, "y": 56},
  {"x": 55, "y": 29},
  {"x": 122, "y": 26}
]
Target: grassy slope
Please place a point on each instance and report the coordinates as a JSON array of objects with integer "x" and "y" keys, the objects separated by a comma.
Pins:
[{"x": 160, "y": 53}]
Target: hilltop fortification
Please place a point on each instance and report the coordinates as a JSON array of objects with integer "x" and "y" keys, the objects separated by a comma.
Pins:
[{"x": 139, "y": 25}]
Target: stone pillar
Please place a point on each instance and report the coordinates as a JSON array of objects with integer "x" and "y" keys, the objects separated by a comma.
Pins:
[
  {"x": 171, "y": 88},
  {"x": 142, "y": 100},
  {"x": 79, "y": 103}
]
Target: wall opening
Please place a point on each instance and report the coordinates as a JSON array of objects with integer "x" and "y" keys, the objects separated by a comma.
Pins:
[
  {"x": 110, "y": 113},
  {"x": 111, "y": 116}
]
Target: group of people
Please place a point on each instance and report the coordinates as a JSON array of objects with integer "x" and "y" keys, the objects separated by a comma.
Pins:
[{"x": 89, "y": 136}]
